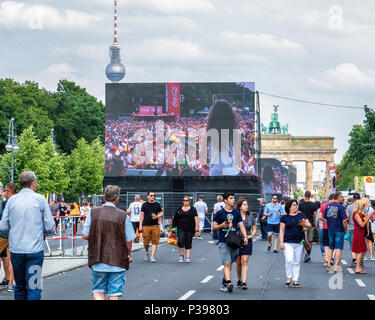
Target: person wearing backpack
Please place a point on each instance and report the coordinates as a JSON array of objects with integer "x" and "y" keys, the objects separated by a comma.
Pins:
[{"x": 228, "y": 220}]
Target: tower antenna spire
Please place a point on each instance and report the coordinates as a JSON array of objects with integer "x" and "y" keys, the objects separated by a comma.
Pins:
[
  {"x": 115, "y": 20},
  {"x": 115, "y": 71}
]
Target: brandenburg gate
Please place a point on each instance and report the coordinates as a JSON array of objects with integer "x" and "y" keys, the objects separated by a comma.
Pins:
[{"x": 277, "y": 143}]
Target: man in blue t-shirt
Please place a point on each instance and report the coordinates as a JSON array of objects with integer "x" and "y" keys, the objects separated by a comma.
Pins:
[
  {"x": 337, "y": 223},
  {"x": 273, "y": 211},
  {"x": 228, "y": 219}
]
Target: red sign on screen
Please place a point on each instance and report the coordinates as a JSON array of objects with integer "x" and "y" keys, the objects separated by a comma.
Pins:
[{"x": 173, "y": 99}]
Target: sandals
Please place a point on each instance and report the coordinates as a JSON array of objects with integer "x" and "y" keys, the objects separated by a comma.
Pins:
[
  {"x": 296, "y": 285},
  {"x": 361, "y": 272},
  {"x": 337, "y": 269},
  {"x": 287, "y": 284}
]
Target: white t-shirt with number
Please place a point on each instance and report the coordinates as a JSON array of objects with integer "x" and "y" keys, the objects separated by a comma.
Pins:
[{"x": 135, "y": 210}]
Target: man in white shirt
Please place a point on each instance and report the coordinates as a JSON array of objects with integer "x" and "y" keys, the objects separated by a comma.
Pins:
[
  {"x": 202, "y": 209},
  {"x": 134, "y": 212}
]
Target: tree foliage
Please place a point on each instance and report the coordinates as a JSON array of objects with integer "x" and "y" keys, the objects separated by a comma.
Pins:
[
  {"x": 86, "y": 167},
  {"x": 71, "y": 111},
  {"x": 359, "y": 160},
  {"x": 40, "y": 158},
  {"x": 82, "y": 172}
]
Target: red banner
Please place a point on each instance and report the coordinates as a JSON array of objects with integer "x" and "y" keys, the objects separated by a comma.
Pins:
[{"x": 173, "y": 99}]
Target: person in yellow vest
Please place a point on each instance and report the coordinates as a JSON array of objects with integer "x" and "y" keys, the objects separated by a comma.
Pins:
[{"x": 75, "y": 212}]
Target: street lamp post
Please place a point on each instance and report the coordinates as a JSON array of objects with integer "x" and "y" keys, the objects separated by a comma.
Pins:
[
  {"x": 53, "y": 141},
  {"x": 12, "y": 145}
]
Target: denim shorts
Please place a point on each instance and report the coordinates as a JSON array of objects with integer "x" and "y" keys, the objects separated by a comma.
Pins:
[
  {"x": 336, "y": 240},
  {"x": 111, "y": 283},
  {"x": 273, "y": 228},
  {"x": 227, "y": 254}
]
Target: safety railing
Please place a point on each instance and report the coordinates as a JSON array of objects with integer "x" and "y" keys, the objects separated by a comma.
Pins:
[{"x": 68, "y": 244}]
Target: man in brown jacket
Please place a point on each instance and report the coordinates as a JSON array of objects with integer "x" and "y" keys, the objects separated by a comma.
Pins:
[{"x": 110, "y": 233}]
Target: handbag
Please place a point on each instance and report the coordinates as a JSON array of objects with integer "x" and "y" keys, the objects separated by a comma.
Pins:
[
  {"x": 234, "y": 239},
  {"x": 172, "y": 239}
]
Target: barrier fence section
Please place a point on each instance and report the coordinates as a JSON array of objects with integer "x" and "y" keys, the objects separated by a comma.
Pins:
[{"x": 69, "y": 244}]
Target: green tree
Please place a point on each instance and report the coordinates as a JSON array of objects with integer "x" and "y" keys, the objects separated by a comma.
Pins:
[
  {"x": 298, "y": 193},
  {"x": 28, "y": 105},
  {"x": 78, "y": 115},
  {"x": 72, "y": 111},
  {"x": 359, "y": 158},
  {"x": 86, "y": 167},
  {"x": 40, "y": 158}
]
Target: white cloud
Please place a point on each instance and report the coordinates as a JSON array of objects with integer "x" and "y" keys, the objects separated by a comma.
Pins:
[
  {"x": 164, "y": 6},
  {"x": 261, "y": 41},
  {"x": 345, "y": 75},
  {"x": 167, "y": 50},
  {"x": 14, "y": 15},
  {"x": 348, "y": 73},
  {"x": 61, "y": 69}
]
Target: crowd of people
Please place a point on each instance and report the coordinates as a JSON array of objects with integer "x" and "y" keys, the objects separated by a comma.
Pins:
[
  {"x": 298, "y": 224},
  {"x": 62, "y": 212},
  {"x": 121, "y": 143},
  {"x": 290, "y": 226}
]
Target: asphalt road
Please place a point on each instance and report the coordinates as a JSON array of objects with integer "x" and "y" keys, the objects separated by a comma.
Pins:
[{"x": 201, "y": 279}]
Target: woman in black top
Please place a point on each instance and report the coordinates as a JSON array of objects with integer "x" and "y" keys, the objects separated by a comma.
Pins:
[
  {"x": 245, "y": 252},
  {"x": 186, "y": 221},
  {"x": 291, "y": 240}
]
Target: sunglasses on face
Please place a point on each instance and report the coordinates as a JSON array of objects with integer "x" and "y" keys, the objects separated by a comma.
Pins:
[
  {"x": 152, "y": 195},
  {"x": 186, "y": 200}
]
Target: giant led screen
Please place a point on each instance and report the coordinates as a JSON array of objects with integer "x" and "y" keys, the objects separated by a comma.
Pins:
[{"x": 180, "y": 129}]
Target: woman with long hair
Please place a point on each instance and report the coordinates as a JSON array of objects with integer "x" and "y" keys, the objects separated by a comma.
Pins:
[
  {"x": 245, "y": 252},
  {"x": 186, "y": 221},
  {"x": 224, "y": 159},
  {"x": 360, "y": 224},
  {"x": 291, "y": 240}
]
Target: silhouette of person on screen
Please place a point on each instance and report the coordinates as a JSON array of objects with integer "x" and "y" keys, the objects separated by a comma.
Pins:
[{"x": 221, "y": 153}]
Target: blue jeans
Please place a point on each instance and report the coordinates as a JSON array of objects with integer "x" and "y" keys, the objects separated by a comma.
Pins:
[
  {"x": 351, "y": 239},
  {"x": 321, "y": 240},
  {"x": 27, "y": 268},
  {"x": 263, "y": 228}
]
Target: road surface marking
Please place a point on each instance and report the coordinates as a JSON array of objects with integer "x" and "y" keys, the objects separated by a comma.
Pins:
[
  {"x": 220, "y": 268},
  {"x": 205, "y": 280},
  {"x": 350, "y": 270},
  {"x": 344, "y": 262},
  {"x": 360, "y": 283},
  {"x": 187, "y": 295},
  {"x": 371, "y": 296}
]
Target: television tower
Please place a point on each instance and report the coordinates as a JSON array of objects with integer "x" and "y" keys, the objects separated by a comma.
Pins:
[{"x": 115, "y": 71}]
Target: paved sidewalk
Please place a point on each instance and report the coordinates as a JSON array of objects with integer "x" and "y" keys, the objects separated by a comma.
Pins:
[{"x": 56, "y": 264}]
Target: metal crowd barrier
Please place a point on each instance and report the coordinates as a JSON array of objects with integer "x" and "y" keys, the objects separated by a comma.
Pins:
[{"x": 78, "y": 245}]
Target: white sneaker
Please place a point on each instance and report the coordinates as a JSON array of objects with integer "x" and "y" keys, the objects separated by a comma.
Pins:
[
  {"x": 147, "y": 256},
  {"x": 181, "y": 259},
  {"x": 365, "y": 259},
  {"x": 187, "y": 260},
  {"x": 194, "y": 238},
  {"x": 372, "y": 258},
  {"x": 200, "y": 238},
  {"x": 152, "y": 259}
]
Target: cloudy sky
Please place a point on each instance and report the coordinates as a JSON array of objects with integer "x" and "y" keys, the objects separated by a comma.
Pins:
[{"x": 313, "y": 50}]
